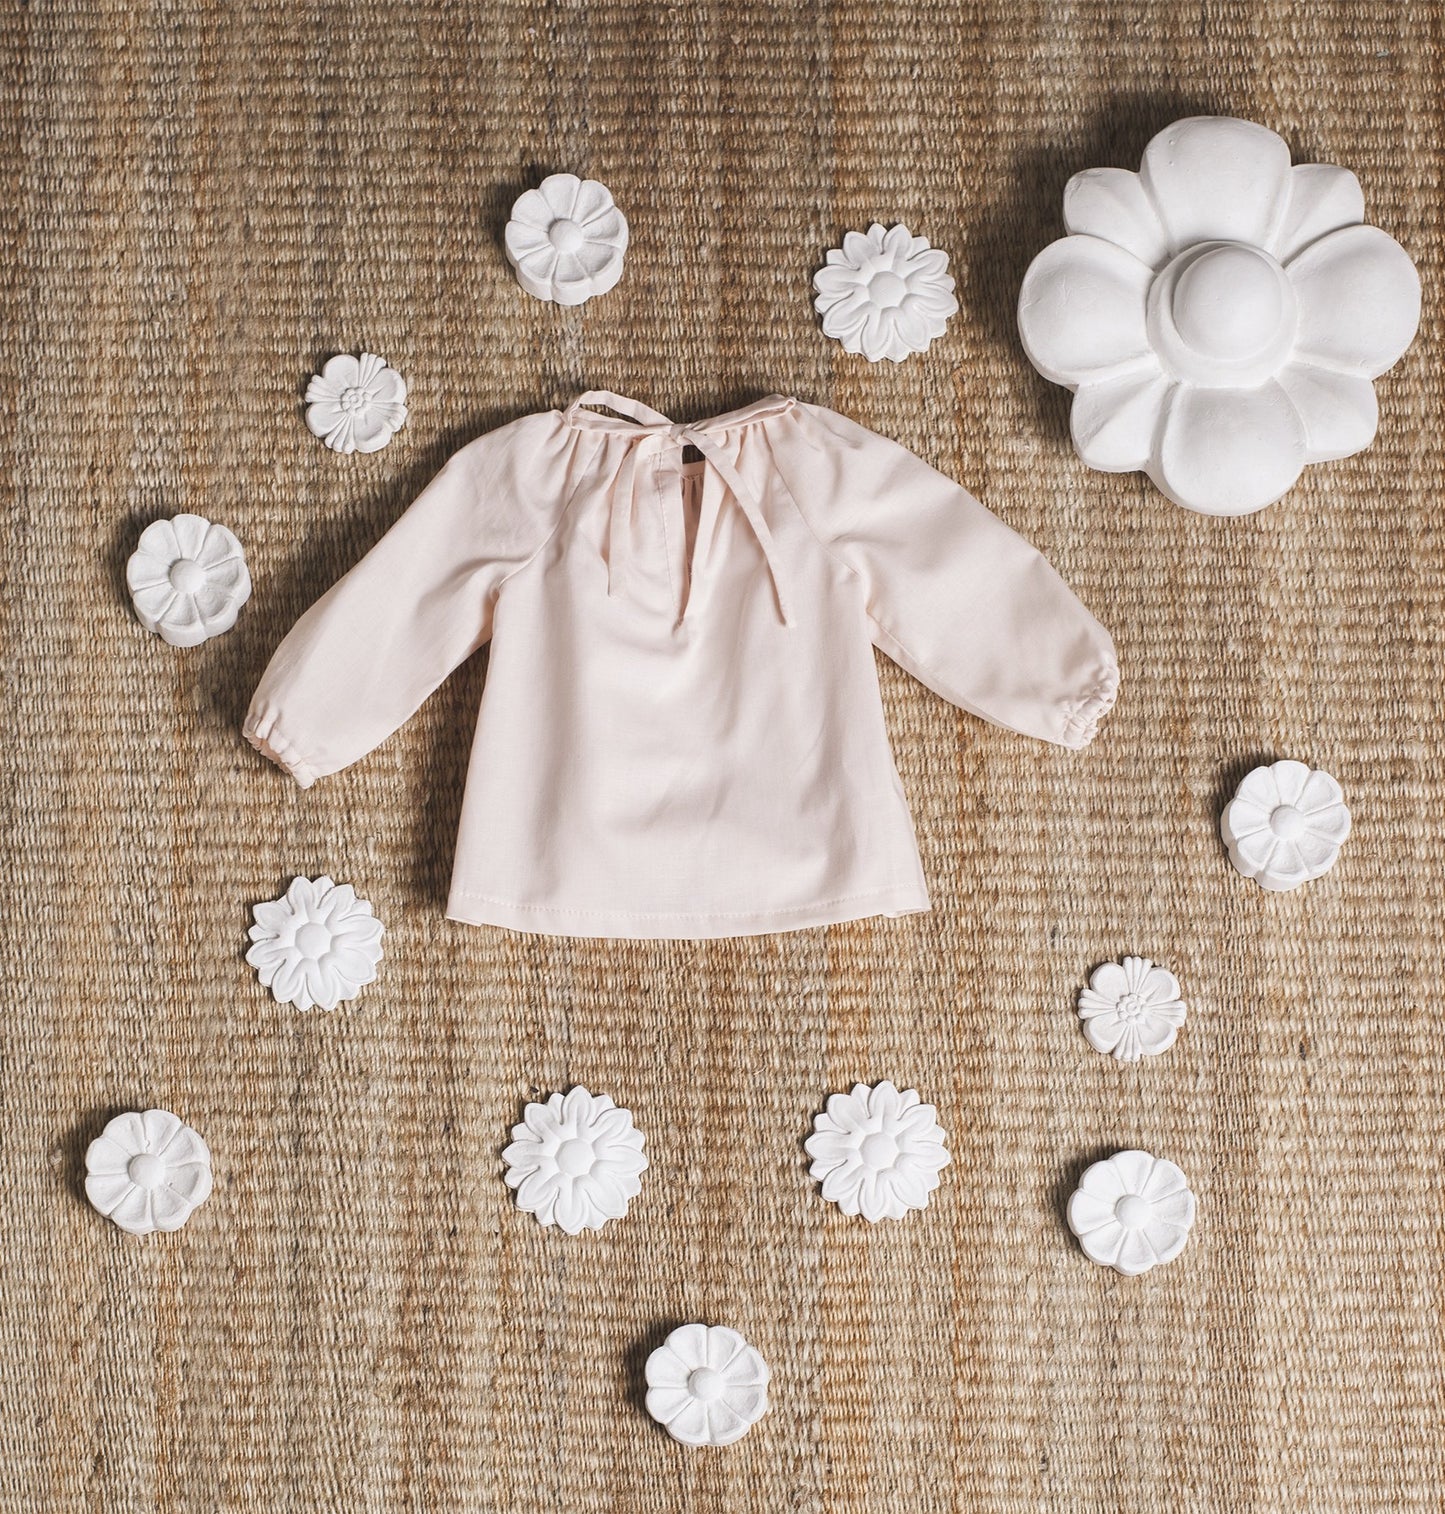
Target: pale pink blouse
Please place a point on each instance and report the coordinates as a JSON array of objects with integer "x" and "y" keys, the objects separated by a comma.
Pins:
[{"x": 681, "y": 732}]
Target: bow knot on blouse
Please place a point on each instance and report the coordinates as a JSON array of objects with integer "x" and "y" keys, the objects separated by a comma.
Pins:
[{"x": 658, "y": 434}]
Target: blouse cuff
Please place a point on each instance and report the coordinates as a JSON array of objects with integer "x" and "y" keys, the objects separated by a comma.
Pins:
[
  {"x": 260, "y": 731},
  {"x": 1081, "y": 723}
]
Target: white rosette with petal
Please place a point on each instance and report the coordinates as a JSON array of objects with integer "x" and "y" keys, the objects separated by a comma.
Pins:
[
  {"x": 877, "y": 1152},
  {"x": 575, "y": 1161},
  {"x": 1131, "y": 1212},
  {"x": 566, "y": 239},
  {"x": 147, "y": 1171},
  {"x": 187, "y": 579},
  {"x": 1285, "y": 825},
  {"x": 356, "y": 404},
  {"x": 1220, "y": 315},
  {"x": 706, "y": 1385},
  {"x": 317, "y": 945},
  {"x": 1131, "y": 1009},
  {"x": 885, "y": 294}
]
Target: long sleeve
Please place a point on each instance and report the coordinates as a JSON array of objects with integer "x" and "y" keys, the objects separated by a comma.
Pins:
[
  {"x": 362, "y": 659},
  {"x": 952, "y": 594}
]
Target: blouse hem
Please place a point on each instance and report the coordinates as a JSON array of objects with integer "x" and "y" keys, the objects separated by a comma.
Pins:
[{"x": 549, "y": 920}]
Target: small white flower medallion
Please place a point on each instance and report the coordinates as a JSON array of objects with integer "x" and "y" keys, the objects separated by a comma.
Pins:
[
  {"x": 885, "y": 294},
  {"x": 1285, "y": 825},
  {"x": 356, "y": 404},
  {"x": 566, "y": 239},
  {"x": 706, "y": 1386},
  {"x": 575, "y": 1161},
  {"x": 187, "y": 579},
  {"x": 877, "y": 1152},
  {"x": 315, "y": 946},
  {"x": 147, "y": 1172},
  {"x": 1131, "y": 1212},
  {"x": 1131, "y": 1009}
]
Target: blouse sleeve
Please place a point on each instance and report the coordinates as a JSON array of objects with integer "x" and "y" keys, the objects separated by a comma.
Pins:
[
  {"x": 364, "y": 657},
  {"x": 952, "y": 594}
]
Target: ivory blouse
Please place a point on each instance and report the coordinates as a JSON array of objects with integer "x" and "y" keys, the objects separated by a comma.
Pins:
[{"x": 681, "y": 732}]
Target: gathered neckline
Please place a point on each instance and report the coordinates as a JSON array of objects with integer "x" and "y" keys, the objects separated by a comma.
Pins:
[{"x": 634, "y": 416}]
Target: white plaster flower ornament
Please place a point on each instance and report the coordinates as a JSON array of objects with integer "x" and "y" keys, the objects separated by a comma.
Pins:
[
  {"x": 147, "y": 1171},
  {"x": 188, "y": 580},
  {"x": 1285, "y": 825},
  {"x": 575, "y": 1161},
  {"x": 1131, "y": 1009},
  {"x": 877, "y": 1152},
  {"x": 1132, "y": 1212},
  {"x": 315, "y": 946},
  {"x": 706, "y": 1385},
  {"x": 885, "y": 294},
  {"x": 566, "y": 239},
  {"x": 1220, "y": 314},
  {"x": 356, "y": 404}
]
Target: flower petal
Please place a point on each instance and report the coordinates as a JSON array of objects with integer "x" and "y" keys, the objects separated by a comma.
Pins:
[
  {"x": 1135, "y": 1254},
  {"x": 664, "y": 1404},
  {"x": 690, "y": 1344},
  {"x": 666, "y": 1369},
  {"x": 342, "y": 371},
  {"x": 690, "y": 1424},
  {"x": 1114, "y": 423},
  {"x": 1255, "y": 852},
  {"x": 1111, "y": 203},
  {"x": 1339, "y": 410},
  {"x": 1134, "y": 1169},
  {"x": 1229, "y": 451},
  {"x": 1359, "y": 300},
  {"x": 1081, "y": 311},
  {"x": 1322, "y": 199},
  {"x": 106, "y": 1189},
  {"x": 1104, "y": 1032},
  {"x": 133, "y": 1212},
  {"x": 1215, "y": 178}
]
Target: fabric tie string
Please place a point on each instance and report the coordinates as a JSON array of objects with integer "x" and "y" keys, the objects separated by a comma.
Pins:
[{"x": 654, "y": 431}]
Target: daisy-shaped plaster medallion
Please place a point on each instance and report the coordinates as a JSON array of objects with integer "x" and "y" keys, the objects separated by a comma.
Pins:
[
  {"x": 1220, "y": 315},
  {"x": 876, "y": 1151},
  {"x": 316, "y": 945},
  {"x": 575, "y": 1161},
  {"x": 356, "y": 404},
  {"x": 147, "y": 1171},
  {"x": 1131, "y": 1212},
  {"x": 566, "y": 239},
  {"x": 1131, "y": 1009},
  {"x": 187, "y": 579},
  {"x": 885, "y": 294},
  {"x": 706, "y": 1385},
  {"x": 1285, "y": 825}
]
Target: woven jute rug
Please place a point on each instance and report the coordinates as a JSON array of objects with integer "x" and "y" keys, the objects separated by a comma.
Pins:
[{"x": 202, "y": 203}]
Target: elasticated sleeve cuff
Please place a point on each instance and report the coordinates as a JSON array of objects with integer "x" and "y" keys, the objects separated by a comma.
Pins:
[
  {"x": 260, "y": 730},
  {"x": 1082, "y": 723}
]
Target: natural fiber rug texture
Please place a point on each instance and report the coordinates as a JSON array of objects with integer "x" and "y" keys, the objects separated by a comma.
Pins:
[{"x": 202, "y": 203}]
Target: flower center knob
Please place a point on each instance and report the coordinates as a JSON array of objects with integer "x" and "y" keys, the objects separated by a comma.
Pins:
[
  {"x": 146, "y": 1171},
  {"x": 1131, "y": 1006},
  {"x": 1132, "y": 1212},
  {"x": 879, "y": 1150},
  {"x": 705, "y": 1383},
  {"x": 574, "y": 1157},
  {"x": 1287, "y": 822},
  {"x": 1229, "y": 302},
  {"x": 187, "y": 576},
  {"x": 886, "y": 289},
  {"x": 353, "y": 400},
  {"x": 313, "y": 940},
  {"x": 566, "y": 235}
]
